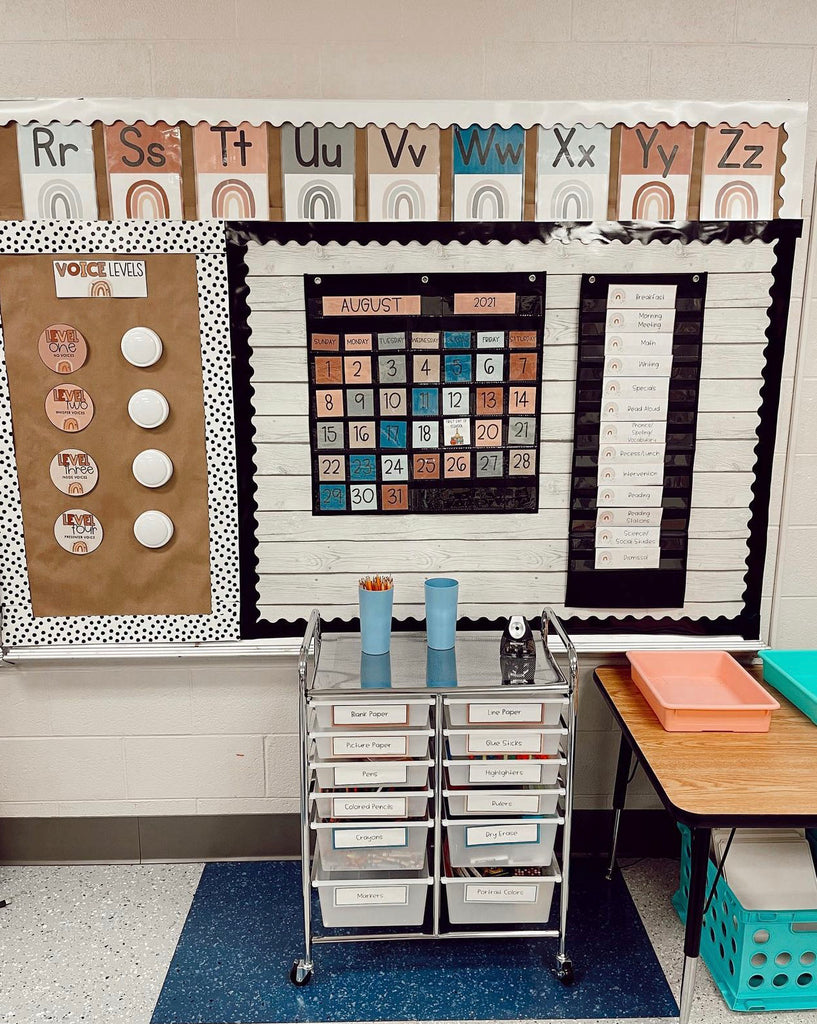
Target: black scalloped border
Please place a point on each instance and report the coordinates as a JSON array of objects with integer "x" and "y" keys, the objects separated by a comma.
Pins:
[{"x": 782, "y": 232}]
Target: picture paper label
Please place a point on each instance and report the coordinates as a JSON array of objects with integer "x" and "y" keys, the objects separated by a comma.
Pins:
[
  {"x": 370, "y": 714},
  {"x": 362, "y": 806},
  {"x": 382, "y": 896},
  {"x": 632, "y": 296},
  {"x": 509, "y": 772},
  {"x": 504, "y": 743},
  {"x": 641, "y": 320},
  {"x": 371, "y": 775},
  {"x": 100, "y": 279},
  {"x": 634, "y": 431},
  {"x": 500, "y": 892},
  {"x": 78, "y": 531},
  {"x": 505, "y": 803},
  {"x": 369, "y": 746},
  {"x": 638, "y": 344},
  {"x": 648, "y": 389},
  {"x": 496, "y": 835},
  {"x": 73, "y": 471},
  {"x": 353, "y": 839},
  {"x": 528, "y": 713},
  {"x": 629, "y": 497},
  {"x": 628, "y": 558},
  {"x": 629, "y": 516},
  {"x": 627, "y": 536}
]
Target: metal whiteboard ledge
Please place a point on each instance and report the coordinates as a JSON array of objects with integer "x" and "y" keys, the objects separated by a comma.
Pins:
[{"x": 592, "y": 643}]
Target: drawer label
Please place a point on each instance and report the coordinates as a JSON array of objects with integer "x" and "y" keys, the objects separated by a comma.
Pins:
[
  {"x": 382, "y": 896},
  {"x": 504, "y": 803},
  {"x": 369, "y": 746},
  {"x": 504, "y": 772},
  {"x": 361, "y": 807},
  {"x": 478, "y": 714},
  {"x": 371, "y": 774},
  {"x": 370, "y": 714},
  {"x": 503, "y": 893},
  {"x": 504, "y": 742},
  {"x": 354, "y": 839},
  {"x": 501, "y": 835}
]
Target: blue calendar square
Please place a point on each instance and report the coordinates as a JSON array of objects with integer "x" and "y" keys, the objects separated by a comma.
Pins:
[
  {"x": 332, "y": 498},
  {"x": 457, "y": 368},
  {"x": 393, "y": 434},
  {"x": 362, "y": 467},
  {"x": 457, "y": 339},
  {"x": 425, "y": 401}
]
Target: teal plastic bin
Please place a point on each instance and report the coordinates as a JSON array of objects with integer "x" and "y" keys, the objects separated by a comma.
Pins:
[
  {"x": 794, "y": 674},
  {"x": 759, "y": 959}
]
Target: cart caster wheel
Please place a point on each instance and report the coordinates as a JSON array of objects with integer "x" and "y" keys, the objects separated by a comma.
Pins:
[
  {"x": 300, "y": 974},
  {"x": 564, "y": 972}
]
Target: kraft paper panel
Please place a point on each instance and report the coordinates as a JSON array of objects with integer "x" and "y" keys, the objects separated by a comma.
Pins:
[{"x": 120, "y": 577}]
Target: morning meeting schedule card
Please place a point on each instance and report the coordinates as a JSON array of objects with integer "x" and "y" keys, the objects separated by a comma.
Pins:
[
  {"x": 634, "y": 439},
  {"x": 424, "y": 392}
]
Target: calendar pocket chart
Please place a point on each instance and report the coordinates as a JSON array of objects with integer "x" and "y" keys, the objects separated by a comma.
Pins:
[{"x": 425, "y": 392}]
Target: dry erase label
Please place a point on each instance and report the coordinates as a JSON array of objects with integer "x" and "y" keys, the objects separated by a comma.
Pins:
[
  {"x": 629, "y": 516},
  {"x": 62, "y": 348},
  {"x": 502, "y": 892},
  {"x": 637, "y": 320},
  {"x": 381, "y": 896},
  {"x": 371, "y": 305},
  {"x": 505, "y": 803},
  {"x": 627, "y": 536},
  {"x": 617, "y": 408},
  {"x": 528, "y": 713},
  {"x": 495, "y": 835},
  {"x": 376, "y": 807},
  {"x": 73, "y": 471},
  {"x": 100, "y": 279},
  {"x": 370, "y": 714},
  {"x": 624, "y": 558},
  {"x": 628, "y": 497},
  {"x": 623, "y": 344},
  {"x": 638, "y": 366},
  {"x": 650, "y": 474},
  {"x": 631, "y": 454},
  {"x": 652, "y": 389},
  {"x": 371, "y": 775},
  {"x": 369, "y": 746},
  {"x": 509, "y": 772},
  {"x": 484, "y": 302},
  {"x": 504, "y": 742},
  {"x": 354, "y": 839},
  {"x": 633, "y": 431},
  {"x": 69, "y": 407},
  {"x": 631, "y": 296},
  {"x": 78, "y": 531}
]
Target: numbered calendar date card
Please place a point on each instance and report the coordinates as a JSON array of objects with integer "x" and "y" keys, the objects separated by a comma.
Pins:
[{"x": 424, "y": 392}]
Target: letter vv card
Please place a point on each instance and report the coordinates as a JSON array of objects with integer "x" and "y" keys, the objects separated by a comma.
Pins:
[{"x": 424, "y": 392}]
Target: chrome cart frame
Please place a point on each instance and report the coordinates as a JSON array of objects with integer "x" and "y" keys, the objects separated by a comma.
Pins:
[{"x": 562, "y": 685}]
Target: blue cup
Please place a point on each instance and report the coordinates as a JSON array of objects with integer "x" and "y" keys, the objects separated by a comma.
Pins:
[
  {"x": 441, "y": 613},
  {"x": 375, "y": 671},
  {"x": 441, "y": 667},
  {"x": 375, "y": 620}
]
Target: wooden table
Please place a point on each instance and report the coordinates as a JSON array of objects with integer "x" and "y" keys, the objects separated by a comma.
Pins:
[{"x": 712, "y": 780}]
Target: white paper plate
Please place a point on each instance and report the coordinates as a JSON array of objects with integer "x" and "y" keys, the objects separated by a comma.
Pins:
[
  {"x": 148, "y": 408},
  {"x": 153, "y": 529},
  {"x": 152, "y": 467},
  {"x": 141, "y": 346}
]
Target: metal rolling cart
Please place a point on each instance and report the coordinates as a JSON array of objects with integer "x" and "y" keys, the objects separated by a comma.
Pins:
[{"x": 393, "y": 750}]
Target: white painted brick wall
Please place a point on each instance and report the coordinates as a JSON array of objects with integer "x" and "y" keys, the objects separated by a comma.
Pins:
[{"x": 221, "y": 738}]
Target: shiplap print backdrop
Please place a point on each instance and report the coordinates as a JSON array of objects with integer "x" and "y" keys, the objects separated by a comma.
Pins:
[{"x": 506, "y": 561}]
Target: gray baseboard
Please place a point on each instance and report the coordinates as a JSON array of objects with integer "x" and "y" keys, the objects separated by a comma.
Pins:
[{"x": 649, "y": 833}]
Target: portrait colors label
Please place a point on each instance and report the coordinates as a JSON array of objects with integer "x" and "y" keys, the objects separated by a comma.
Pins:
[
  {"x": 74, "y": 471},
  {"x": 103, "y": 279},
  {"x": 78, "y": 531},
  {"x": 371, "y": 305},
  {"x": 62, "y": 348},
  {"x": 69, "y": 407}
]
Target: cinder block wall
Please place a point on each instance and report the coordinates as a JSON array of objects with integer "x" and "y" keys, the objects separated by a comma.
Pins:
[{"x": 185, "y": 738}]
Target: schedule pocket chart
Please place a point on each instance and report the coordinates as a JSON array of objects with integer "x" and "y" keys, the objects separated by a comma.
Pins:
[
  {"x": 634, "y": 439},
  {"x": 424, "y": 392}
]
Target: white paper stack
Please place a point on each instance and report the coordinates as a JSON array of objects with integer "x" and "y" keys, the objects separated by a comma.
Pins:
[{"x": 768, "y": 869}]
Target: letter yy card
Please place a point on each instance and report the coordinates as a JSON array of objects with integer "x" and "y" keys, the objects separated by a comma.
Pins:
[{"x": 424, "y": 392}]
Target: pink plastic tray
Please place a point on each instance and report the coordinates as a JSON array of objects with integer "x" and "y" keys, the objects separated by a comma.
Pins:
[{"x": 701, "y": 691}]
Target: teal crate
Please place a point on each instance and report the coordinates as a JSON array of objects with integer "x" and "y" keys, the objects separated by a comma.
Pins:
[
  {"x": 759, "y": 959},
  {"x": 794, "y": 674}
]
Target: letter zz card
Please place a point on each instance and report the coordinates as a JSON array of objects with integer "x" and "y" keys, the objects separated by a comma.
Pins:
[{"x": 424, "y": 392}]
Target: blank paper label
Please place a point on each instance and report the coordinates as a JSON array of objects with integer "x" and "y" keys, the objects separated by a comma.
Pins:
[{"x": 370, "y": 714}]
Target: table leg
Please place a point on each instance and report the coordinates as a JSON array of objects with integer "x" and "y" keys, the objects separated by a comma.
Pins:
[
  {"x": 699, "y": 860},
  {"x": 625, "y": 757}
]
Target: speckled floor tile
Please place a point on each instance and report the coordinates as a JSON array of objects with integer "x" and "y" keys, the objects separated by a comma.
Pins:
[{"x": 89, "y": 944}]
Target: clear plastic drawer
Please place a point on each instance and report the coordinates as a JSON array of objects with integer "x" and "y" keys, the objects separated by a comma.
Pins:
[
  {"x": 506, "y": 711},
  {"x": 514, "y": 899},
  {"x": 361, "y": 900},
  {"x": 372, "y": 845},
  {"x": 494, "y": 841},
  {"x": 372, "y": 774},
  {"x": 483, "y": 802},
  {"x": 376, "y": 744},
  {"x": 363, "y": 714},
  {"x": 365, "y": 806},
  {"x": 504, "y": 771}
]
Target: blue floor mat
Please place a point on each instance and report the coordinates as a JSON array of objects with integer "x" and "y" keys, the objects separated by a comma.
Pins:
[{"x": 244, "y": 930}]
